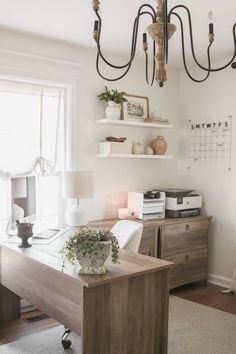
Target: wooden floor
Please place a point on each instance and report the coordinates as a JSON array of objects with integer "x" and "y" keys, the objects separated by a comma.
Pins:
[
  {"x": 209, "y": 295},
  {"x": 22, "y": 327}
]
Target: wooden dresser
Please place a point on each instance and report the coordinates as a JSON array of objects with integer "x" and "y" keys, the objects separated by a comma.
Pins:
[{"x": 183, "y": 241}]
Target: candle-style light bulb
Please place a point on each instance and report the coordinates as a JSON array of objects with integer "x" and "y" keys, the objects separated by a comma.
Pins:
[
  {"x": 211, "y": 17},
  {"x": 211, "y": 27},
  {"x": 211, "y": 22}
]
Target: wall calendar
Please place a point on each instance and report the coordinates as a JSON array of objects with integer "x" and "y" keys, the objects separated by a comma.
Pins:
[{"x": 210, "y": 142}]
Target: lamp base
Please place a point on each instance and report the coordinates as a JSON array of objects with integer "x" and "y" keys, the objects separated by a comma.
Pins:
[{"x": 74, "y": 215}]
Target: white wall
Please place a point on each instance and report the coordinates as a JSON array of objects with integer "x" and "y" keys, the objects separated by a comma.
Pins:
[
  {"x": 112, "y": 177},
  {"x": 213, "y": 100}
]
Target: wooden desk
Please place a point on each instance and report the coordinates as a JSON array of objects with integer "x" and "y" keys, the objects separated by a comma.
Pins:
[
  {"x": 183, "y": 241},
  {"x": 124, "y": 311}
]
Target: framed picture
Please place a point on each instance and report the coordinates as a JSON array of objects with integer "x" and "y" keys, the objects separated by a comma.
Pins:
[{"x": 136, "y": 108}]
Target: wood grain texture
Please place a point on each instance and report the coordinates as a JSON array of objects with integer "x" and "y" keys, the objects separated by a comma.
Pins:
[
  {"x": 183, "y": 237},
  {"x": 175, "y": 240},
  {"x": 209, "y": 295},
  {"x": 9, "y": 302},
  {"x": 186, "y": 244},
  {"x": 16, "y": 329},
  {"x": 9, "y": 306},
  {"x": 188, "y": 267},
  {"x": 55, "y": 293},
  {"x": 131, "y": 315},
  {"x": 109, "y": 223},
  {"x": 131, "y": 292},
  {"x": 148, "y": 244},
  {"x": 130, "y": 264}
]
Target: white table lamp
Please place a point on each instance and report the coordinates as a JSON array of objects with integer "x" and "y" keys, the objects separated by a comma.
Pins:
[{"x": 76, "y": 185}]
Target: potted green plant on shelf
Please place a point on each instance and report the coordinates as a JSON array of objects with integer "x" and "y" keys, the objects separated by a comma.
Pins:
[
  {"x": 113, "y": 98},
  {"x": 90, "y": 248}
]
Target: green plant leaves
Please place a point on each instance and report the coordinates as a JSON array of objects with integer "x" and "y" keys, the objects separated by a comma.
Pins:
[{"x": 112, "y": 95}]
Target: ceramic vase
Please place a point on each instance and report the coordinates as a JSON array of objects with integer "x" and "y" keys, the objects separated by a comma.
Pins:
[
  {"x": 112, "y": 110},
  {"x": 158, "y": 145},
  {"x": 24, "y": 231},
  {"x": 137, "y": 148},
  {"x": 148, "y": 150},
  {"x": 92, "y": 262}
]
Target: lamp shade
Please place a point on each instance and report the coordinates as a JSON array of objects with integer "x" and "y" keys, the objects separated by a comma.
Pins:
[{"x": 77, "y": 184}]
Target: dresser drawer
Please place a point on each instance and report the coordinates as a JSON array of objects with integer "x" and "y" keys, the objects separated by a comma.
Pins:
[
  {"x": 183, "y": 237},
  {"x": 148, "y": 245},
  {"x": 188, "y": 267}
]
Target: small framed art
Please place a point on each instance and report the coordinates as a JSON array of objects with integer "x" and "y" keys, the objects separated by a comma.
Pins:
[{"x": 136, "y": 108}]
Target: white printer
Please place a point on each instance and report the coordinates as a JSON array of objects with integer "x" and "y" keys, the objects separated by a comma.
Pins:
[
  {"x": 182, "y": 203},
  {"x": 147, "y": 205}
]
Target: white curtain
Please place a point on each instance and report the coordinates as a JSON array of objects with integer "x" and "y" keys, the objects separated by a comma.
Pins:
[{"x": 29, "y": 127}]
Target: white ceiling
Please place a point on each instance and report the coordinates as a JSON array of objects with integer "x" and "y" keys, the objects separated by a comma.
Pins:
[{"x": 72, "y": 21}]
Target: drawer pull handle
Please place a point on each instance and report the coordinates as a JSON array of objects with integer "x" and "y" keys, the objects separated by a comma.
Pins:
[
  {"x": 186, "y": 257},
  {"x": 187, "y": 227}
]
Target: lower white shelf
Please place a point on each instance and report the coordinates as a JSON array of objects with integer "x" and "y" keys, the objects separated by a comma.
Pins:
[{"x": 136, "y": 156}]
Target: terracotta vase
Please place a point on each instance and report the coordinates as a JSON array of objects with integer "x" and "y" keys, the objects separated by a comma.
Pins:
[{"x": 159, "y": 145}]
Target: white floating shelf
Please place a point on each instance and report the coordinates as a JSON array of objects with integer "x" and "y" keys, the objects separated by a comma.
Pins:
[
  {"x": 135, "y": 156},
  {"x": 105, "y": 121}
]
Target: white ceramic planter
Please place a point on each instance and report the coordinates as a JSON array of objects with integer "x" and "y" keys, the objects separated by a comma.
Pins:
[
  {"x": 113, "y": 110},
  {"x": 93, "y": 262}
]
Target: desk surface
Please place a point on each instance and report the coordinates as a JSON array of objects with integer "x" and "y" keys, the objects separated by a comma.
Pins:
[
  {"x": 123, "y": 311},
  {"x": 131, "y": 264},
  {"x": 108, "y": 223}
]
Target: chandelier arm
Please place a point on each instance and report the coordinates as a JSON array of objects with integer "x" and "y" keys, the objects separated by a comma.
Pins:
[
  {"x": 165, "y": 30},
  {"x": 151, "y": 8},
  {"x": 153, "y": 66},
  {"x": 133, "y": 45},
  {"x": 191, "y": 40},
  {"x": 106, "y": 78},
  {"x": 184, "y": 58},
  {"x": 234, "y": 55},
  {"x": 134, "y": 37}
]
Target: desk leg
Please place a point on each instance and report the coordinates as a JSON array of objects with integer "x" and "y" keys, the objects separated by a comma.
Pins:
[
  {"x": 128, "y": 316},
  {"x": 162, "y": 311},
  {"x": 9, "y": 306}
]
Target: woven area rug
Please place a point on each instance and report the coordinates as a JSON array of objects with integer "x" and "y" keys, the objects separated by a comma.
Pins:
[
  {"x": 193, "y": 329},
  {"x": 198, "y": 329}
]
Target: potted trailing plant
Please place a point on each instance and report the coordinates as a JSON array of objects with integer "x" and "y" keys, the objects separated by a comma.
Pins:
[
  {"x": 90, "y": 248},
  {"x": 113, "y": 99}
]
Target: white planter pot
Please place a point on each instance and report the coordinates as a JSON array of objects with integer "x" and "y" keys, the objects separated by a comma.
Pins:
[
  {"x": 92, "y": 261},
  {"x": 113, "y": 110}
]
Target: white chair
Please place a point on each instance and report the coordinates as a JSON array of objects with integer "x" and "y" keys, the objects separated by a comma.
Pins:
[{"x": 128, "y": 234}]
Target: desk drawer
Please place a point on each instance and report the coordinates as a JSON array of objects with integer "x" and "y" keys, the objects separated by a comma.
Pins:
[
  {"x": 183, "y": 237},
  {"x": 188, "y": 267}
]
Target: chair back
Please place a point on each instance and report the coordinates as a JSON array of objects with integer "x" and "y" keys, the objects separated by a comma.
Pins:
[{"x": 128, "y": 234}]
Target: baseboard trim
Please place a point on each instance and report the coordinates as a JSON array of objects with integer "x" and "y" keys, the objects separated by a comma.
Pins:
[{"x": 219, "y": 280}]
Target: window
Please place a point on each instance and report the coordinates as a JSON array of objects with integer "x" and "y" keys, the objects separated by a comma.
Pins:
[{"x": 32, "y": 141}]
